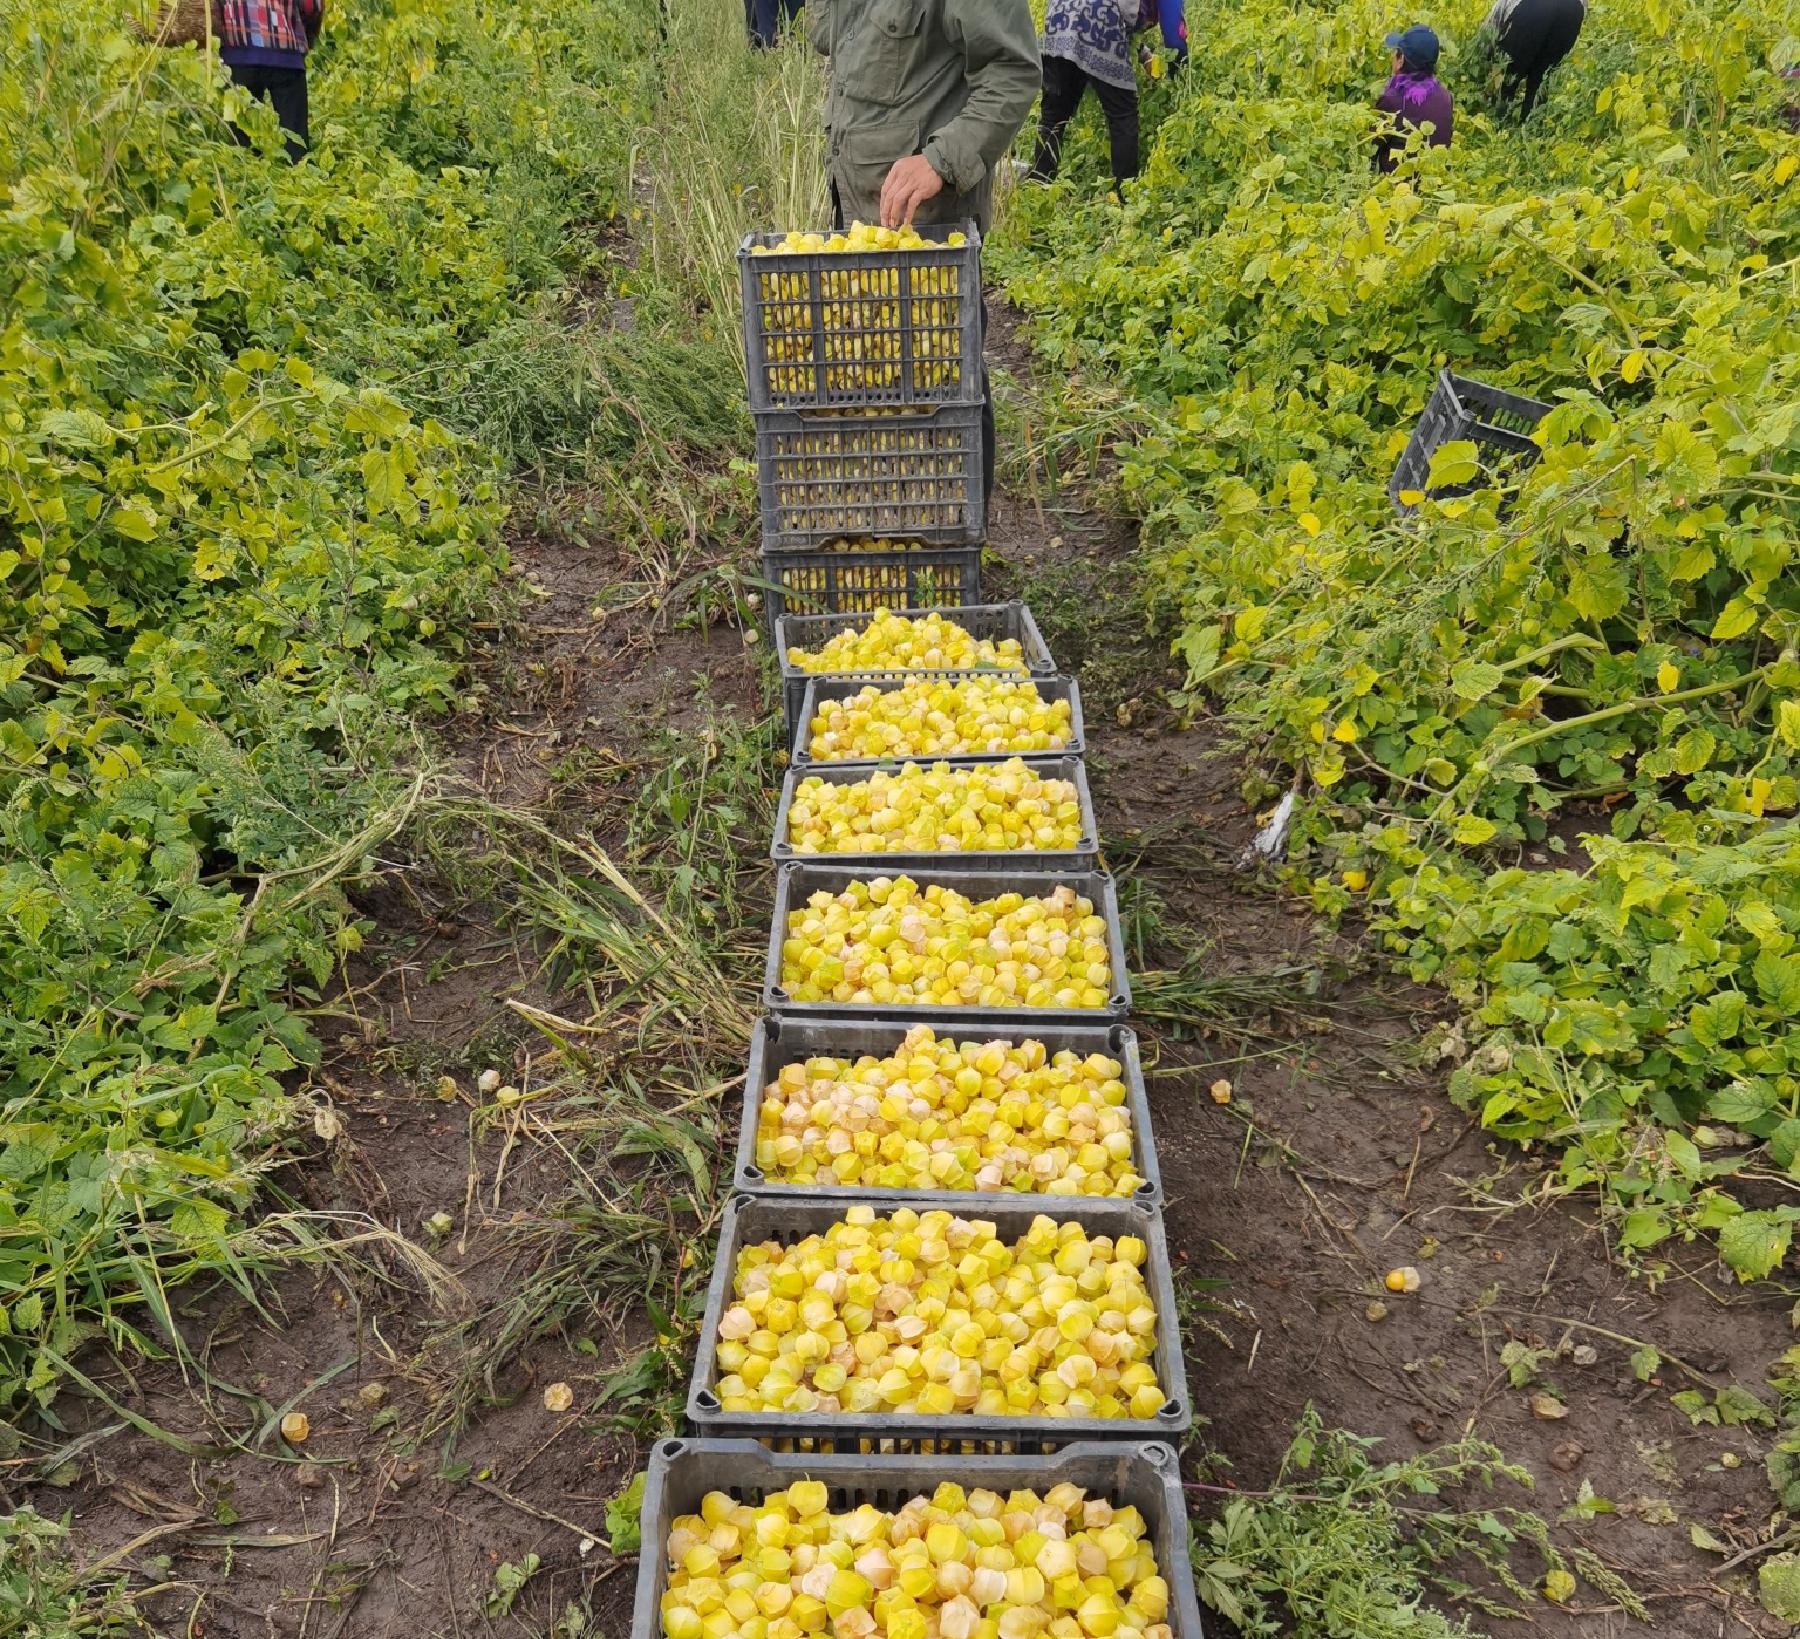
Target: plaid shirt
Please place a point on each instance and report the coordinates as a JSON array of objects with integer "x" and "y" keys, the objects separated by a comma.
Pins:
[{"x": 268, "y": 31}]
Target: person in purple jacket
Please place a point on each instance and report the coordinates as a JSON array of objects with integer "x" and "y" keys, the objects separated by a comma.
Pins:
[
  {"x": 1088, "y": 43},
  {"x": 1414, "y": 97},
  {"x": 264, "y": 45}
]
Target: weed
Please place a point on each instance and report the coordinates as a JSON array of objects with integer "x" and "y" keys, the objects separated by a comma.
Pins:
[
  {"x": 1341, "y": 1547},
  {"x": 43, "y": 1595}
]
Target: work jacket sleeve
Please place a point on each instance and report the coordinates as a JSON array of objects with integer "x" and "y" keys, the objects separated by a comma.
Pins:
[{"x": 999, "y": 44}]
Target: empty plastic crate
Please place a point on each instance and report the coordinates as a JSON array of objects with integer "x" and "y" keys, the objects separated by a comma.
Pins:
[
  {"x": 1498, "y": 423},
  {"x": 912, "y": 476},
  {"x": 750, "y": 1219},
  {"x": 994, "y": 622},
  {"x": 777, "y": 1041},
  {"x": 834, "y": 329},
  {"x": 1082, "y": 857},
  {"x": 827, "y": 687},
  {"x": 902, "y": 576},
  {"x": 795, "y": 883},
  {"x": 1142, "y": 1475}
]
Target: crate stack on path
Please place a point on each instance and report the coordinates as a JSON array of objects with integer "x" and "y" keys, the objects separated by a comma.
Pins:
[
  {"x": 863, "y": 357},
  {"x": 939, "y": 1376}
]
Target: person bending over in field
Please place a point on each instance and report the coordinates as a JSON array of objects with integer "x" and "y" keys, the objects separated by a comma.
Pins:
[
  {"x": 1534, "y": 36},
  {"x": 1088, "y": 43},
  {"x": 264, "y": 45},
  {"x": 1414, "y": 97},
  {"x": 922, "y": 99}
]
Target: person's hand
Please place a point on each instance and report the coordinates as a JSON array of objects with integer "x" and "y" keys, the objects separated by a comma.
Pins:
[{"x": 909, "y": 184}]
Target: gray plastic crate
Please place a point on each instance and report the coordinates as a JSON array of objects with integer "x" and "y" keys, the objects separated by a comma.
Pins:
[
  {"x": 753, "y": 1218},
  {"x": 815, "y": 581},
  {"x": 840, "y": 329},
  {"x": 911, "y": 476},
  {"x": 828, "y": 687},
  {"x": 1142, "y": 1475},
  {"x": 795, "y": 883},
  {"x": 992, "y": 622},
  {"x": 1082, "y": 857},
  {"x": 777, "y": 1042},
  {"x": 1498, "y": 422}
]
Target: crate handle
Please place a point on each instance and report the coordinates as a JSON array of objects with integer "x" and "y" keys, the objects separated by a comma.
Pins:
[
  {"x": 671, "y": 1448},
  {"x": 706, "y": 1400}
]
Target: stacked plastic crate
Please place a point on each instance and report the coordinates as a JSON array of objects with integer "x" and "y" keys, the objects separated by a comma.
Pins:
[
  {"x": 835, "y": 1042},
  {"x": 864, "y": 369}
]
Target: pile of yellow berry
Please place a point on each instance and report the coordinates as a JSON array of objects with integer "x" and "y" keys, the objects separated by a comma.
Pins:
[
  {"x": 898, "y": 643},
  {"x": 890, "y": 941},
  {"x": 938, "y": 1114},
  {"x": 957, "y": 1564},
  {"x": 929, "y": 1313},
  {"x": 922, "y": 717},
  {"x": 859, "y": 312},
  {"x": 987, "y": 808}
]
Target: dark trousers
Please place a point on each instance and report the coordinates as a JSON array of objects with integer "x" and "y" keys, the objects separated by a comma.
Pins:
[
  {"x": 1538, "y": 35},
  {"x": 764, "y": 19},
  {"x": 987, "y": 391},
  {"x": 1064, "y": 82},
  {"x": 284, "y": 90}
]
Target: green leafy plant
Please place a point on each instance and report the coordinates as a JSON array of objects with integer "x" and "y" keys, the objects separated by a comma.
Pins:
[
  {"x": 622, "y": 1534},
  {"x": 1603, "y": 641},
  {"x": 1342, "y": 1546},
  {"x": 244, "y": 529},
  {"x": 44, "y": 1596}
]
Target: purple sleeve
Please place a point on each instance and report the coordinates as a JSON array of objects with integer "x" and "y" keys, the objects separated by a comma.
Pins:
[
  {"x": 1389, "y": 100},
  {"x": 1173, "y": 16}
]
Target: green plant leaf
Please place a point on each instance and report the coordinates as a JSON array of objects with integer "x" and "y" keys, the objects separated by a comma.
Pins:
[{"x": 1753, "y": 1243}]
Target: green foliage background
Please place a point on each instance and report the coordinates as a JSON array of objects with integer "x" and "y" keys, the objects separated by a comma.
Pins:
[
  {"x": 1458, "y": 693},
  {"x": 248, "y": 507}
]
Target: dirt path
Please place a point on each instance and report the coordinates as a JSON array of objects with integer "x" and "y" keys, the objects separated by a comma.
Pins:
[{"x": 1337, "y": 1157}]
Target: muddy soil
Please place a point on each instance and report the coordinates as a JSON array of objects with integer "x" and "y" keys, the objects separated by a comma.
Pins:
[{"x": 1337, "y": 1157}]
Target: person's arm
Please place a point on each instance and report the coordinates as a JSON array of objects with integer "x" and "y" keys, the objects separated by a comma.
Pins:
[
  {"x": 1172, "y": 14},
  {"x": 312, "y": 18},
  {"x": 1000, "y": 49}
]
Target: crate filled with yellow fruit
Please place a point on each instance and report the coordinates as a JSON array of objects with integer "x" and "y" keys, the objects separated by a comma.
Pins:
[
  {"x": 865, "y": 316},
  {"x": 913, "y": 474},
  {"x": 872, "y": 1110},
  {"x": 860, "y": 574},
  {"x": 903, "y": 1325},
  {"x": 1000, "y": 814},
  {"x": 954, "y": 717},
  {"x": 944, "y": 945},
  {"x": 997, "y": 637},
  {"x": 1090, "y": 1541}
]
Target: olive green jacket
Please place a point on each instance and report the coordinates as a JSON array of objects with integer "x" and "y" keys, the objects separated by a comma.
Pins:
[{"x": 952, "y": 79}]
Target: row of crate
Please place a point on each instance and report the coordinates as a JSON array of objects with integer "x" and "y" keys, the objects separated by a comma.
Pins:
[
  {"x": 864, "y": 371},
  {"x": 880, "y": 1458}
]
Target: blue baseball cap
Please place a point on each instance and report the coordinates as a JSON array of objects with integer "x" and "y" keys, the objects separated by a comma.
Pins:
[{"x": 1418, "y": 45}]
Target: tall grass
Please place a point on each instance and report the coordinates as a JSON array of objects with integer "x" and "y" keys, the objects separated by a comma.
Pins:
[{"x": 739, "y": 147}]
